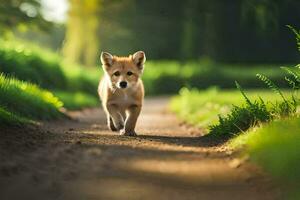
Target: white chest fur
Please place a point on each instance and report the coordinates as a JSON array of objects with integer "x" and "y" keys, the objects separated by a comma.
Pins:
[{"x": 123, "y": 98}]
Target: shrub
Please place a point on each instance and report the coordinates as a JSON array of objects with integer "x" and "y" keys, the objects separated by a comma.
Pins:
[
  {"x": 27, "y": 65},
  {"x": 76, "y": 100},
  {"x": 38, "y": 66},
  {"x": 167, "y": 77},
  {"x": 242, "y": 118}
]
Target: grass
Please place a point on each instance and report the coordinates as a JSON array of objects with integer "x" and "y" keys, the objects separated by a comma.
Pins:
[
  {"x": 202, "y": 107},
  {"x": 20, "y": 100},
  {"x": 76, "y": 100},
  {"x": 47, "y": 69},
  {"x": 37, "y": 67},
  {"x": 9, "y": 119},
  {"x": 77, "y": 86},
  {"x": 168, "y": 77},
  {"x": 275, "y": 147}
]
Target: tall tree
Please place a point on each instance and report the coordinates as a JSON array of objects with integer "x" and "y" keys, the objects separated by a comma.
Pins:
[
  {"x": 21, "y": 12},
  {"x": 189, "y": 33},
  {"x": 81, "y": 40}
]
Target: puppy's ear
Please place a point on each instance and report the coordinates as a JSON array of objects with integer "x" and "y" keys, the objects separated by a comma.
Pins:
[
  {"x": 139, "y": 58},
  {"x": 106, "y": 59}
]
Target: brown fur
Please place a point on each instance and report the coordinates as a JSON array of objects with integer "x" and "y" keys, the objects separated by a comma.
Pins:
[{"x": 122, "y": 105}]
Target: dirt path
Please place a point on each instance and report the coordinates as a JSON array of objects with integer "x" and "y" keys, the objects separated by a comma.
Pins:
[{"x": 82, "y": 160}]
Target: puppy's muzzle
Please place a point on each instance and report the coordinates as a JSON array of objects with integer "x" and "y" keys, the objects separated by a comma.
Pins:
[{"x": 123, "y": 84}]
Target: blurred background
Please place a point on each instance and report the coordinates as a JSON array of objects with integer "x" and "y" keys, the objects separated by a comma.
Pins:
[
  {"x": 192, "y": 43},
  {"x": 195, "y": 49},
  {"x": 235, "y": 31}
]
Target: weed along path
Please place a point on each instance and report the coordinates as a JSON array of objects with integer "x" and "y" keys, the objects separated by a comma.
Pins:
[{"x": 81, "y": 159}]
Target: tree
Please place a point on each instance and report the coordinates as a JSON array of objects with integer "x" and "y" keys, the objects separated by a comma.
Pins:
[
  {"x": 14, "y": 13},
  {"x": 81, "y": 40}
]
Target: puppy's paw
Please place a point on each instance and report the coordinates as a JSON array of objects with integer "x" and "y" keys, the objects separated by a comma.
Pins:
[
  {"x": 112, "y": 127},
  {"x": 119, "y": 127},
  {"x": 127, "y": 133}
]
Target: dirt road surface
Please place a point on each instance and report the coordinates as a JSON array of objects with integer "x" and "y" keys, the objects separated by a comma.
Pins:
[{"x": 81, "y": 159}]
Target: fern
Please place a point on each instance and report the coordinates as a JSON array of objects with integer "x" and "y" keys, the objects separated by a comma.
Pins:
[
  {"x": 292, "y": 83},
  {"x": 243, "y": 93},
  {"x": 271, "y": 85},
  {"x": 297, "y": 34},
  {"x": 295, "y": 74}
]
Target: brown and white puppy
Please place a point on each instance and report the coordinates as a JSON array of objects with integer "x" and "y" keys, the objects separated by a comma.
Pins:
[{"x": 122, "y": 91}]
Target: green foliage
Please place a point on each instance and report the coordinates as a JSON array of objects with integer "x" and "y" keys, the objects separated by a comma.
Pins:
[
  {"x": 9, "y": 119},
  {"x": 275, "y": 147},
  {"x": 297, "y": 34},
  {"x": 167, "y": 77},
  {"x": 76, "y": 100},
  {"x": 253, "y": 113},
  {"x": 30, "y": 63},
  {"x": 243, "y": 93},
  {"x": 24, "y": 64},
  {"x": 294, "y": 80},
  {"x": 202, "y": 107},
  {"x": 233, "y": 31},
  {"x": 45, "y": 68},
  {"x": 287, "y": 107},
  {"x": 28, "y": 100},
  {"x": 241, "y": 118},
  {"x": 21, "y": 12},
  {"x": 271, "y": 85},
  {"x": 22, "y": 100}
]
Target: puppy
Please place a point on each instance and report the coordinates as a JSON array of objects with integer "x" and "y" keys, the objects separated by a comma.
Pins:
[{"x": 122, "y": 91}]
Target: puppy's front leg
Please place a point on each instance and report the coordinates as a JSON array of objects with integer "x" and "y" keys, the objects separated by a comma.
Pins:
[
  {"x": 132, "y": 114},
  {"x": 114, "y": 117}
]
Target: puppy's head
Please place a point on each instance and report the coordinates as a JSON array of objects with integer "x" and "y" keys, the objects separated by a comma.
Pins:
[{"x": 123, "y": 72}]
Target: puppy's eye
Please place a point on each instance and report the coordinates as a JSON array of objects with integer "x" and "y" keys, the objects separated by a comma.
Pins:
[
  {"x": 129, "y": 73},
  {"x": 117, "y": 73}
]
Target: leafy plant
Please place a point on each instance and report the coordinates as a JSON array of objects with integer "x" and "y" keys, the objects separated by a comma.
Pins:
[
  {"x": 297, "y": 34},
  {"x": 294, "y": 78},
  {"x": 241, "y": 118}
]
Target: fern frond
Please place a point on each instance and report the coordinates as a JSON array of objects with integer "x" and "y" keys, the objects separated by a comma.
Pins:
[
  {"x": 297, "y": 34},
  {"x": 243, "y": 93},
  {"x": 295, "y": 74},
  {"x": 291, "y": 83},
  {"x": 271, "y": 85}
]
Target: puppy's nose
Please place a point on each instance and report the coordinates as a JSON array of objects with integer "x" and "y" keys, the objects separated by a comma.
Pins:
[{"x": 123, "y": 84}]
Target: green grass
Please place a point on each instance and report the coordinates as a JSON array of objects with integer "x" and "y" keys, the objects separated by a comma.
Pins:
[
  {"x": 275, "y": 147},
  {"x": 76, "y": 100},
  {"x": 33, "y": 66},
  {"x": 168, "y": 77},
  {"x": 10, "y": 119},
  {"x": 47, "y": 69},
  {"x": 19, "y": 99},
  {"x": 202, "y": 107}
]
